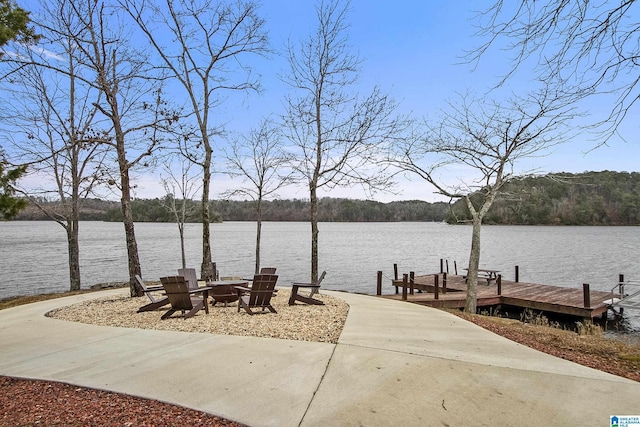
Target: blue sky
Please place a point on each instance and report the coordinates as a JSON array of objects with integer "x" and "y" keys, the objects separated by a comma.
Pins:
[{"x": 411, "y": 49}]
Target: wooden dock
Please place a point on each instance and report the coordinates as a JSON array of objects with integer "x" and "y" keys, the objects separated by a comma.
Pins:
[{"x": 580, "y": 302}]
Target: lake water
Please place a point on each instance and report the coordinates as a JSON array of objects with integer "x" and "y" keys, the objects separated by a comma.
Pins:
[{"x": 33, "y": 254}]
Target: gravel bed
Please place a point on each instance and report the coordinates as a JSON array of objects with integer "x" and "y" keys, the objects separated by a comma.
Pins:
[{"x": 320, "y": 323}]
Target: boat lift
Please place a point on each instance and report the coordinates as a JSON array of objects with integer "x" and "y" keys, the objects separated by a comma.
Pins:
[{"x": 623, "y": 300}]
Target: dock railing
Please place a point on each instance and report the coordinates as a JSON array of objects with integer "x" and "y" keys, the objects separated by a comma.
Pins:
[{"x": 625, "y": 300}]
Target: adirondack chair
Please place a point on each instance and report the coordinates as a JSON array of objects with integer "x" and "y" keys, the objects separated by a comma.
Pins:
[
  {"x": 181, "y": 297},
  {"x": 190, "y": 277},
  {"x": 264, "y": 270},
  {"x": 150, "y": 292},
  {"x": 259, "y": 295},
  {"x": 307, "y": 299}
]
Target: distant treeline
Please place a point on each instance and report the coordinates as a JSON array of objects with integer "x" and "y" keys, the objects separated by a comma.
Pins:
[
  {"x": 330, "y": 210},
  {"x": 590, "y": 198}
]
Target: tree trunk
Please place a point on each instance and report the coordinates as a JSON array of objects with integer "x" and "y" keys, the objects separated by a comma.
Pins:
[
  {"x": 182, "y": 252},
  {"x": 207, "y": 270},
  {"x": 127, "y": 215},
  {"x": 74, "y": 254},
  {"x": 314, "y": 234},
  {"x": 474, "y": 263},
  {"x": 130, "y": 235},
  {"x": 258, "y": 236}
]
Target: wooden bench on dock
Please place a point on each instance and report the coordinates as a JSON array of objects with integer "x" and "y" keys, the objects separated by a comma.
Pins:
[{"x": 486, "y": 274}]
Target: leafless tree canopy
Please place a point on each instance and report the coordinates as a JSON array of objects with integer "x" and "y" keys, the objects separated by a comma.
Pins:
[
  {"x": 258, "y": 159},
  {"x": 582, "y": 47},
  {"x": 483, "y": 141},
  {"x": 487, "y": 138},
  {"x": 208, "y": 57},
  {"x": 180, "y": 188},
  {"x": 335, "y": 134}
]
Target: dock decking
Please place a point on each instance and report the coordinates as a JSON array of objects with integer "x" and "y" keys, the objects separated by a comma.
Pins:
[{"x": 546, "y": 298}]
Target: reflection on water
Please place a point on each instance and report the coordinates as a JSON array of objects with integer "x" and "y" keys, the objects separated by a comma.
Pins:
[{"x": 33, "y": 255}]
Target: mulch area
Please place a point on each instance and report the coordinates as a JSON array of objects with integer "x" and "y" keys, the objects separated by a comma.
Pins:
[{"x": 46, "y": 403}]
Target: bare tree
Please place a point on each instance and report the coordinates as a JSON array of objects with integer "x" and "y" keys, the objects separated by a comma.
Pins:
[
  {"x": 130, "y": 98},
  {"x": 583, "y": 48},
  {"x": 50, "y": 118},
  {"x": 258, "y": 159},
  {"x": 185, "y": 185},
  {"x": 484, "y": 141},
  {"x": 210, "y": 44},
  {"x": 335, "y": 133}
]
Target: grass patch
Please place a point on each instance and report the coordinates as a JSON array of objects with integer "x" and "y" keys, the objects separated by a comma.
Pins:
[{"x": 17, "y": 301}]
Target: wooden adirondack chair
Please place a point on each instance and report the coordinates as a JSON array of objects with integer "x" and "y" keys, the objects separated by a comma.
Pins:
[
  {"x": 264, "y": 270},
  {"x": 181, "y": 297},
  {"x": 190, "y": 277},
  {"x": 150, "y": 292},
  {"x": 259, "y": 295},
  {"x": 307, "y": 299}
]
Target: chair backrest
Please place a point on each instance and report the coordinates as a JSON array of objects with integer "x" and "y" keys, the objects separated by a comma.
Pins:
[
  {"x": 177, "y": 291},
  {"x": 146, "y": 290},
  {"x": 262, "y": 290},
  {"x": 190, "y": 277},
  {"x": 324, "y": 273},
  {"x": 267, "y": 270}
]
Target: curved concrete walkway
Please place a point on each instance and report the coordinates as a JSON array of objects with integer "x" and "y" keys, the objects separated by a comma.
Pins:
[{"x": 395, "y": 364}]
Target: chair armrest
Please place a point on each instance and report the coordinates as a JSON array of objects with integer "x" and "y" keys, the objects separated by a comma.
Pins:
[{"x": 305, "y": 285}]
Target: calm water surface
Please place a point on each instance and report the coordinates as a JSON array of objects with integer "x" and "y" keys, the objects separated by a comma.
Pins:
[{"x": 33, "y": 254}]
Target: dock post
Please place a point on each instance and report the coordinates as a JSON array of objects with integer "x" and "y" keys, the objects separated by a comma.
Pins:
[
  {"x": 455, "y": 267},
  {"x": 517, "y": 274},
  {"x": 404, "y": 286},
  {"x": 441, "y": 265},
  {"x": 379, "y": 287},
  {"x": 621, "y": 289},
  {"x": 412, "y": 276},
  {"x": 435, "y": 286},
  {"x": 444, "y": 283},
  {"x": 395, "y": 271},
  {"x": 587, "y": 295},
  {"x": 499, "y": 282},
  {"x": 446, "y": 262}
]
